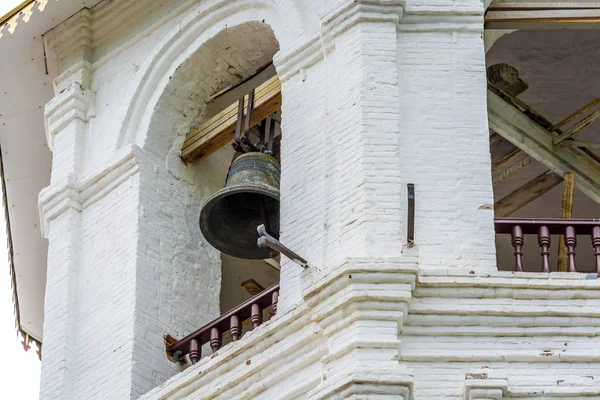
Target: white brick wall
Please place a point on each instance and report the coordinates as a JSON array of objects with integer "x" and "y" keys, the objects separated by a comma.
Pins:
[
  {"x": 446, "y": 147},
  {"x": 399, "y": 98}
]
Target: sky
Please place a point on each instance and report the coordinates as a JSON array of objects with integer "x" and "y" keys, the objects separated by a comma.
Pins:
[{"x": 19, "y": 371}]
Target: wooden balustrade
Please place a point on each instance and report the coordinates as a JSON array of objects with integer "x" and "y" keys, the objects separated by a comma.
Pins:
[
  {"x": 544, "y": 228},
  {"x": 231, "y": 321}
]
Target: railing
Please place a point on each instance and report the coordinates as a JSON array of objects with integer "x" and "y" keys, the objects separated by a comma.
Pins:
[
  {"x": 252, "y": 309},
  {"x": 544, "y": 228}
]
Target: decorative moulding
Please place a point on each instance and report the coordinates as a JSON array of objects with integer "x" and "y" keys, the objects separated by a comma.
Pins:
[
  {"x": 441, "y": 21},
  {"x": 362, "y": 292},
  {"x": 259, "y": 360},
  {"x": 78, "y": 194},
  {"x": 73, "y": 103},
  {"x": 70, "y": 47},
  {"x": 366, "y": 384}
]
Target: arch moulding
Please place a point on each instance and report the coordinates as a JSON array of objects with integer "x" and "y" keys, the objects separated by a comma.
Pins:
[{"x": 203, "y": 23}]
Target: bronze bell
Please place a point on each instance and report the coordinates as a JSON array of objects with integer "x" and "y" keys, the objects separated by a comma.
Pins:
[{"x": 229, "y": 218}]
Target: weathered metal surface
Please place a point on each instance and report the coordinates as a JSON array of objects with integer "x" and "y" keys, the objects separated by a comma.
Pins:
[
  {"x": 267, "y": 241},
  {"x": 229, "y": 218}
]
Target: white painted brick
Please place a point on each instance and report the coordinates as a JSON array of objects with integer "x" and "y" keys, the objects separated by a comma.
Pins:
[{"x": 388, "y": 106}]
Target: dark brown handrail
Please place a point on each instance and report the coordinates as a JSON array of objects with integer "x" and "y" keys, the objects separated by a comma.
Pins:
[
  {"x": 231, "y": 321},
  {"x": 544, "y": 228}
]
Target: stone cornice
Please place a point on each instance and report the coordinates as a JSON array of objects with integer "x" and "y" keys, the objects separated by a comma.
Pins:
[
  {"x": 347, "y": 15},
  {"x": 78, "y": 194},
  {"x": 70, "y": 47},
  {"x": 357, "y": 280},
  {"x": 359, "y": 293},
  {"x": 469, "y": 278},
  {"x": 73, "y": 103},
  {"x": 265, "y": 351},
  {"x": 364, "y": 384},
  {"x": 487, "y": 383},
  {"x": 441, "y": 22},
  {"x": 408, "y": 19}
]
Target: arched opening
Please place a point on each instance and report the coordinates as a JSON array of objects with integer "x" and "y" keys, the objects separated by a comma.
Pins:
[
  {"x": 548, "y": 75},
  {"x": 199, "y": 91}
]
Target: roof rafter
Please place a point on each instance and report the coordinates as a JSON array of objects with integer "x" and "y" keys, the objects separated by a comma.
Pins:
[{"x": 526, "y": 134}]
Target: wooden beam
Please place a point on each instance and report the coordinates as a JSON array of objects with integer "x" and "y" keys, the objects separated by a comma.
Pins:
[
  {"x": 579, "y": 143},
  {"x": 507, "y": 159},
  {"x": 566, "y": 211},
  {"x": 502, "y": 175},
  {"x": 526, "y": 194},
  {"x": 505, "y": 78},
  {"x": 523, "y": 132},
  {"x": 543, "y": 15},
  {"x": 576, "y": 114},
  {"x": 220, "y": 129},
  {"x": 593, "y": 117}
]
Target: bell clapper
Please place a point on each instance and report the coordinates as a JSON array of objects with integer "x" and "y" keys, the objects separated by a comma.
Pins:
[{"x": 266, "y": 240}]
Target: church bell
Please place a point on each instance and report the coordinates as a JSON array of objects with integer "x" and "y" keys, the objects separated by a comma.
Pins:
[{"x": 229, "y": 218}]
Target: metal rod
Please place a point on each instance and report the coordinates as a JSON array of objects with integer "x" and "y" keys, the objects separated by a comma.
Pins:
[
  {"x": 271, "y": 134},
  {"x": 266, "y": 240},
  {"x": 410, "y": 232},
  {"x": 263, "y": 132},
  {"x": 240, "y": 118},
  {"x": 248, "y": 112}
]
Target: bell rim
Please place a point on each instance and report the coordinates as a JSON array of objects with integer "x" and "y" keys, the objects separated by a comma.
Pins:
[{"x": 222, "y": 193}]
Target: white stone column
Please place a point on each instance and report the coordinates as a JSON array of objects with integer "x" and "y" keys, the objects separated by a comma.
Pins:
[
  {"x": 66, "y": 118},
  {"x": 344, "y": 201},
  {"x": 127, "y": 263},
  {"x": 444, "y": 135},
  {"x": 343, "y": 195}
]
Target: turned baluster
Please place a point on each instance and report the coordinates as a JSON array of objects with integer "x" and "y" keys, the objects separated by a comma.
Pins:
[
  {"x": 544, "y": 242},
  {"x": 195, "y": 351},
  {"x": 235, "y": 327},
  {"x": 215, "y": 339},
  {"x": 517, "y": 243},
  {"x": 256, "y": 315},
  {"x": 570, "y": 242},
  {"x": 596, "y": 246},
  {"x": 275, "y": 299}
]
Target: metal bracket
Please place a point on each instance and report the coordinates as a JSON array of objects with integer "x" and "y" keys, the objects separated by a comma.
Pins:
[{"x": 266, "y": 240}]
